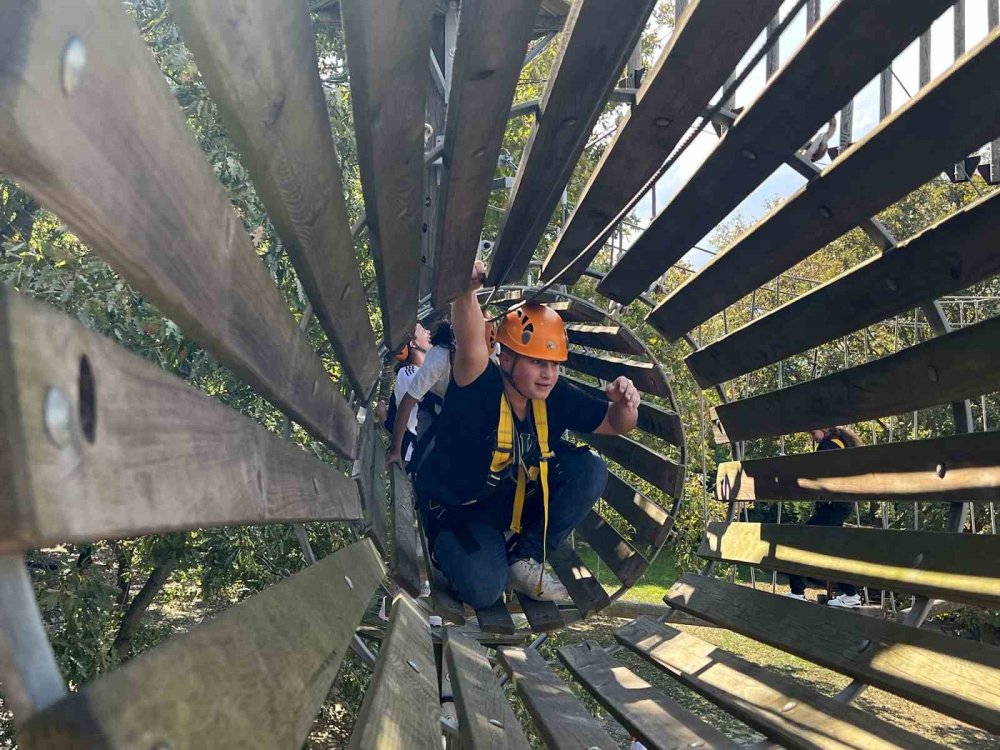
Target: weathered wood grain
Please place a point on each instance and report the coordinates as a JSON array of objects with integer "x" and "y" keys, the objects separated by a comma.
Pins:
[
  {"x": 406, "y": 567},
  {"x": 623, "y": 559},
  {"x": 946, "y": 120},
  {"x": 704, "y": 48},
  {"x": 253, "y": 676},
  {"x": 387, "y": 44},
  {"x": 496, "y": 619},
  {"x": 492, "y": 39},
  {"x": 402, "y": 708},
  {"x": 543, "y": 617},
  {"x": 257, "y": 58},
  {"x": 654, "y": 467},
  {"x": 958, "y": 468},
  {"x": 112, "y": 156},
  {"x": 372, "y": 494},
  {"x": 657, "y": 721},
  {"x": 652, "y": 522},
  {"x": 949, "y": 368},
  {"x": 612, "y": 338},
  {"x": 485, "y": 718},
  {"x": 781, "y": 708},
  {"x": 561, "y": 719},
  {"x": 952, "y": 255},
  {"x": 645, "y": 375},
  {"x": 94, "y": 438},
  {"x": 956, "y": 567},
  {"x": 956, "y": 676},
  {"x": 584, "y": 589},
  {"x": 852, "y": 43},
  {"x": 597, "y": 39},
  {"x": 653, "y": 419}
]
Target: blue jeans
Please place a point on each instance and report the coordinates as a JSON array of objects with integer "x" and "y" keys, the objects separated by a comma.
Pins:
[
  {"x": 825, "y": 514},
  {"x": 476, "y": 557}
]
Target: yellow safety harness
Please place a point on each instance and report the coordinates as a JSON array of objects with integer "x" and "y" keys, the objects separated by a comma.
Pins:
[
  {"x": 838, "y": 441},
  {"x": 507, "y": 452}
]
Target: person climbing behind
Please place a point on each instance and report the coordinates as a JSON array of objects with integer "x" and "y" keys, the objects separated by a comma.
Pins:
[
  {"x": 830, "y": 514},
  {"x": 500, "y": 490},
  {"x": 410, "y": 357}
]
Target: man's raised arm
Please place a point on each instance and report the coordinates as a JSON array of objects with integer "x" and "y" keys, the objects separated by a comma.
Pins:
[{"x": 471, "y": 355}]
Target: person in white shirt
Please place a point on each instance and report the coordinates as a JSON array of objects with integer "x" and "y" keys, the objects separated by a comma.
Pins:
[{"x": 411, "y": 358}]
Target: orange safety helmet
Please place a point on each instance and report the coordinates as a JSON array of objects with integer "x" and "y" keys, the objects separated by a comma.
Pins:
[
  {"x": 491, "y": 335},
  {"x": 536, "y": 331}
]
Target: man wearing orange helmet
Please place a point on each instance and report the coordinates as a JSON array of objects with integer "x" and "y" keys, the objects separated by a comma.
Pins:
[{"x": 500, "y": 490}]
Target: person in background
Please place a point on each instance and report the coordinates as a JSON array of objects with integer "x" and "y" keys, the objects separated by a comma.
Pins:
[
  {"x": 410, "y": 357},
  {"x": 830, "y": 514}
]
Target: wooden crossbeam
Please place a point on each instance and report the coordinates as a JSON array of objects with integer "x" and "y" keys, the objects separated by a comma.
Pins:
[
  {"x": 387, "y": 57},
  {"x": 675, "y": 92},
  {"x": 105, "y": 147},
  {"x": 656, "y": 720},
  {"x": 954, "y": 254},
  {"x": 597, "y": 40},
  {"x": 253, "y": 676},
  {"x": 956, "y": 676},
  {"x": 623, "y": 559},
  {"x": 612, "y": 338},
  {"x": 852, "y": 43},
  {"x": 585, "y": 590},
  {"x": 255, "y": 58},
  {"x": 406, "y": 567},
  {"x": 102, "y": 436},
  {"x": 955, "y": 567},
  {"x": 645, "y": 375},
  {"x": 653, "y": 419},
  {"x": 561, "y": 719},
  {"x": 958, "y": 468},
  {"x": 543, "y": 617},
  {"x": 492, "y": 39},
  {"x": 949, "y": 368},
  {"x": 945, "y": 120},
  {"x": 369, "y": 474},
  {"x": 652, "y": 523},
  {"x": 783, "y": 709},
  {"x": 654, "y": 467}
]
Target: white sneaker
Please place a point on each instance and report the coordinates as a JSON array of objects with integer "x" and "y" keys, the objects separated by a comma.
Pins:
[
  {"x": 848, "y": 602},
  {"x": 525, "y": 576},
  {"x": 800, "y": 597}
]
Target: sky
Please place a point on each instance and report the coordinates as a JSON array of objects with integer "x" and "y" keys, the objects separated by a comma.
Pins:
[{"x": 784, "y": 181}]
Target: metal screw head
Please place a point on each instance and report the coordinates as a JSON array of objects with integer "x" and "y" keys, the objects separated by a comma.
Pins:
[
  {"x": 918, "y": 559},
  {"x": 941, "y": 470},
  {"x": 316, "y": 485},
  {"x": 825, "y": 212},
  {"x": 413, "y": 666},
  {"x": 864, "y": 645},
  {"x": 496, "y": 723},
  {"x": 58, "y": 414},
  {"x": 788, "y": 707},
  {"x": 74, "y": 60},
  {"x": 932, "y": 374},
  {"x": 350, "y": 583},
  {"x": 748, "y": 154},
  {"x": 662, "y": 122},
  {"x": 892, "y": 285}
]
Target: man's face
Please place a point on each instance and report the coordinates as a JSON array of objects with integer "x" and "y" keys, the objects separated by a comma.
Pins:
[
  {"x": 422, "y": 337},
  {"x": 534, "y": 378},
  {"x": 817, "y": 435}
]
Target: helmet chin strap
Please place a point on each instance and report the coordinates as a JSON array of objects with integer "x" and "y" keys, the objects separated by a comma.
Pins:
[{"x": 509, "y": 376}]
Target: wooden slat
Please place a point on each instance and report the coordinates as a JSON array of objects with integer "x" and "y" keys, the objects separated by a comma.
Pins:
[
  {"x": 492, "y": 39},
  {"x": 597, "y": 40},
  {"x": 675, "y": 92},
  {"x": 653, "y": 419},
  {"x": 496, "y": 619},
  {"x": 958, "y": 468},
  {"x": 948, "y": 368},
  {"x": 852, "y": 43},
  {"x": 253, "y": 676},
  {"x": 402, "y": 708},
  {"x": 561, "y": 719},
  {"x": 142, "y": 195},
  {"x": 951, "y": 117},
  {"x": 956, "y": 676},
  {"x": 654, "y": 467},
  {"x": 97, "y": 438},
  {"x": 406, "y": 568},
  {"x": 363, "y": 473},
  {"x": 781, "y": 708},
  {"x": 652, "y": 523},
  {"x": 956, "y": 567},
  {"x": 646, "y": 376},
  {"x": 657, "y": 721},
  {"x": 623, "y": 559},
  {"x": 486, "y": 721},
  {"x": 611, "y": 338},
  {"x": 584, "y": 589},
  {"x": 543, "y": 617},
  {"x": 255, "y": 57},
  {"x": 952, "y": 255},
  {"x": 387, "y": 57}
]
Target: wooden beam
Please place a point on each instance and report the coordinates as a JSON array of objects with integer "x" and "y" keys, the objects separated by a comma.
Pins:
[
  {"x": 492, "y": 39},
  {"x": 406, "y": 567},
  {"x": 560, "y": 718},
  {"x": 496, "y": 619},
  {"x": 255, "y": 57},
  {"x": 652, "y": 523},
  {"x": 142, "y": 195},
  {"x": 645, "y": 375},
  {"x": 779, "y": 707},
  {"x": 371, "y": 490},
  {"x": 956, "y": 676},
  {"x": 96, "y": 438},
  {"x": 656, "y": 720},
  {"x": 543, "y": 617},
  {"x": 597, "y": 40},
  {"x": 953, "y": 254},
  {"x": 387, "y": 57},
  {"x": 675, "y": 92},
  {"x": 611, "y": 338},
  {"x": 653, "y": 418},
  {"x": 655, "y": 468},
  {"x": 852, "y": 43},
  {"x": 958, "y": 468},
  {"x": 486, "y": 720},
  {"x": 584, "y": 589},
  {"x": 253, "y": 676},
  {"x": 945, "y": 369},
  {"x": 899, "y": 155},
  {"x": 957, "y": 567},
  {"x": 623, "y": 559}
]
